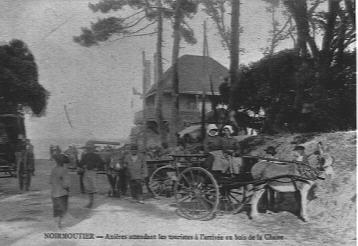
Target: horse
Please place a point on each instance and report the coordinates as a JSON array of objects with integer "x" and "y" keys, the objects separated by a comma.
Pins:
[{"x": 293, "y": 177}]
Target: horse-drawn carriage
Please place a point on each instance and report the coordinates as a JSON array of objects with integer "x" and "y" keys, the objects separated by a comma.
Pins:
[
  {"x": 11, "y": 127},
  {"x": 199, "y": 192}
]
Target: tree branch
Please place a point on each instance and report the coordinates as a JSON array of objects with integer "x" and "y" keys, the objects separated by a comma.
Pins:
[
  {"x": 136, "y": 22},
  {"x": 143, "y": 28},
  {"x": 131, "y": 36}
]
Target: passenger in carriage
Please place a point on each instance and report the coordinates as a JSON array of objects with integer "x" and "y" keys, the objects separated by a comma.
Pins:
[
  {"x": 212, "y": 145},
  {"x": 231, "y": 150},
  {"x": 212, "y": 141},
  {"x": 229, "y": 144},
  {"x": 222, "y": 151}
]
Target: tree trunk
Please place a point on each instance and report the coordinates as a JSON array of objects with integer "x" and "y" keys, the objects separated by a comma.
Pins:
[
  {"x": 350, "y": 6},
  {"x": 159, "y": 67},
  {"x": 298, "y": 9},
  {"x": 234, "y": 47},
  {"x": 326, "y": 52},
  {"x": 173, "y": 127}
]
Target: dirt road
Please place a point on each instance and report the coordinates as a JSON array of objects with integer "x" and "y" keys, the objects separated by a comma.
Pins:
[{"x": 26, "y": 219}]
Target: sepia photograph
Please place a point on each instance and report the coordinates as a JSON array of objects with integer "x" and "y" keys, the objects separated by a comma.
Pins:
[{"x": 178, "y": 122}]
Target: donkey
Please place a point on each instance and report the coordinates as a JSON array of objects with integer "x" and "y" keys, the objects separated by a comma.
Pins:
[{"x": 295, "y": 177}]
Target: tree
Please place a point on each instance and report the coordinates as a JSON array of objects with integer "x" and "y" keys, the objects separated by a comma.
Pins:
[
  {"x": 229, "y": 33},
  {"x": 182, "y": 8},
  {"x": 146, "y": 14},
  {"x": 159, "y": 65},
  {"x": 217, "y": 10},
  {"x": 278, "y": 32},
  {"x": 234, "y": 45},
  {"x": 337, "y": 29},
  {"x": 310, "y": 87},
  {"x": 130, "y": 26},
  {"x": 19, "y": 86},
  {"x": 270, "y": 84}
]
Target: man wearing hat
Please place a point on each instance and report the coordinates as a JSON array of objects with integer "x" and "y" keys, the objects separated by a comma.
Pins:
[
  {"x": 270, "y": 152},
  {"x": 89, "y": 162},
  {"x": 299, "y": 153},
  {"x": 60, "y": 187},
  {"x": 22, "y": 170},
  {"x": 138, "y": 170}
]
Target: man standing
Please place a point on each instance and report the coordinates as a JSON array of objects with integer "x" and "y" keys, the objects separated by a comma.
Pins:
[
  {"x": 138, "y": 170},
  {"x": 30, "y": 157},
  {"x": 300, "y": 154},
  {"x": 60, "y": 186},
  {"x": 89, "y": 162},
  {"x": 23, "y": 173},
  {"x": 114, "y": 171}
]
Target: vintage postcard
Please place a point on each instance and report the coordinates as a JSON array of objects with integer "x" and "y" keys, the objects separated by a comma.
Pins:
[{"x": 177, "y": 122}]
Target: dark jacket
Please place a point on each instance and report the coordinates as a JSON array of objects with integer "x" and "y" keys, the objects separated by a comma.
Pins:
[
  {"x": 212, "y": 143},
  {"x": 91, "y": 161},
  {"x": 137, "y": 169},
  {"x": 230, "y": 145}
]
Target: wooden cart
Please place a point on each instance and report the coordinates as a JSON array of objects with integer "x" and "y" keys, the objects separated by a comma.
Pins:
[{"x": 199, "y": 193}]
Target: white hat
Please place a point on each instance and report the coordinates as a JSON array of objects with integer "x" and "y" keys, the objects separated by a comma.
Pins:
[
  {"x": 210, "y": 128},
  {"x": 229, "y": 127}
]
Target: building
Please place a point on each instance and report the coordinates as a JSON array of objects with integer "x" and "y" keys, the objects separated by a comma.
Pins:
[{"x": 197, "y": 74}]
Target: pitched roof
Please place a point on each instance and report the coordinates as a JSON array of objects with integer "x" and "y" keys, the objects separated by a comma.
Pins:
[{"x": 194, "y": 75}]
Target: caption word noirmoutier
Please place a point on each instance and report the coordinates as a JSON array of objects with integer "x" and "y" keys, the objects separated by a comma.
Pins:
[{"x": 199, "y": 236}]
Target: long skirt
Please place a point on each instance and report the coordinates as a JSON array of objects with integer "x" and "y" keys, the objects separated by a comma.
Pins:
[
  {"x": 60, "y": 205},
  {"x": 89, "y": 179},
  {"x": 220, "y": 163},
  {"x": 226, "y": 163}
]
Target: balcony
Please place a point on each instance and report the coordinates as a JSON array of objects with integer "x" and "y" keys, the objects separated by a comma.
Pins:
[{"x": 187, "y": 115}]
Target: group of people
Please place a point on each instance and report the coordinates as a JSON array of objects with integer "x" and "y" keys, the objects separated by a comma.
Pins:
[
  {"x": 223, "y": 149},
  {"x": 126, "y": 168}
]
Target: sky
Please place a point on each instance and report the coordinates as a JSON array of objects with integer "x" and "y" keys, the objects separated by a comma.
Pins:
[{"x": 96, "y": 83}]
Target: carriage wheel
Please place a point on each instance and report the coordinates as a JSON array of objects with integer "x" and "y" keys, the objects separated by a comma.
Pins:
[
  {"x": 162, "y": 181},
  {"x": 196, "y": 194},
  {"x": 233, "y": 199}
]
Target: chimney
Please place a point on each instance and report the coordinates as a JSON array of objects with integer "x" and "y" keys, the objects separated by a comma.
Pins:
[{"x": 146, "y": 74}]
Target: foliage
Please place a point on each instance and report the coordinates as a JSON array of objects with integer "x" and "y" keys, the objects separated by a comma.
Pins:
[
  {"x": 270, "y": 84},
  {"x": 19, "y": 85},
  {"x": 137, "y": 24},
  {"x": 217, "y": 11},
  {"x": 311, "y": 87},
  {"x": 278, "y": 32}
]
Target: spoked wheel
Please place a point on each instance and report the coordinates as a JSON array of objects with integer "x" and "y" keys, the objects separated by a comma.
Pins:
[
  {"x": 196, "y": 194},
  {"x": 162, "y": 181},
  {"x": 233, "y": 199}
]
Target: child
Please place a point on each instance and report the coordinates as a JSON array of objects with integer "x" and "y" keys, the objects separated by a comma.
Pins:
[{"x": 60, "y": 187}]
